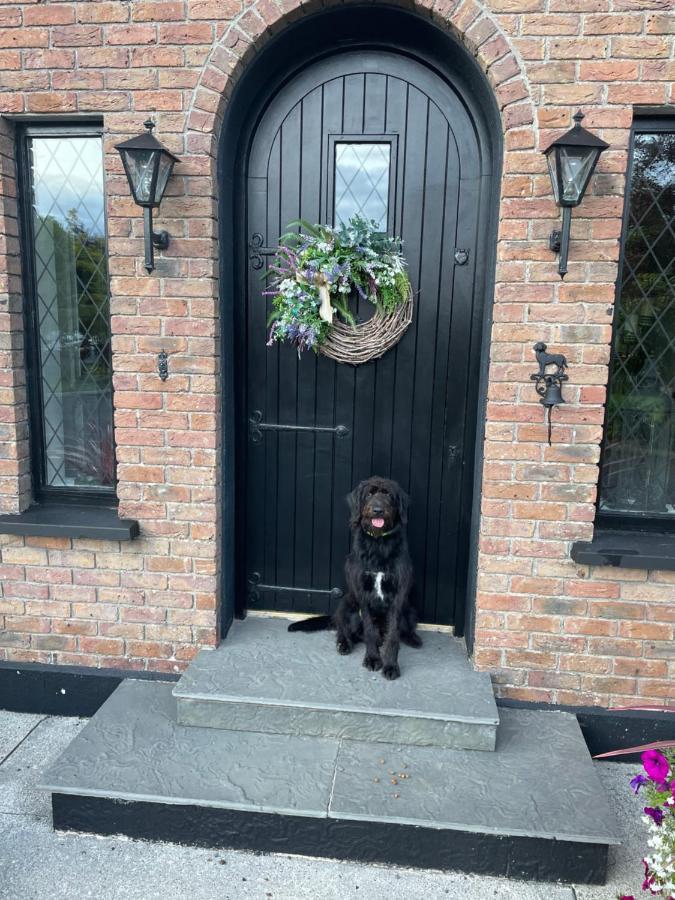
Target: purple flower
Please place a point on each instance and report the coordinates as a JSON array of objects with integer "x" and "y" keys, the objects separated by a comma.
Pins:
[
  {"x": 637, "y": 782},
  {"x": 655, "y": 813},
  {"x": 655, "y": 765}
]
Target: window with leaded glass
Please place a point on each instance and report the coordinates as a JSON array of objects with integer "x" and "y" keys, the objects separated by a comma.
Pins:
[
  {"x": 362, "y": 182},
  {"x": 637, "y": 479},
  {"x": 67, "y": 296}
]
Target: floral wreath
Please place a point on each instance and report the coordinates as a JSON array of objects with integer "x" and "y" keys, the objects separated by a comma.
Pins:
[{"x": 315, "y": 274}]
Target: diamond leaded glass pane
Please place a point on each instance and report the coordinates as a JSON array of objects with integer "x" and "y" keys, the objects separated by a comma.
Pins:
[
  {"x": 362, "y": 182},
  {"x": 638, "y": 468},
  {"x": 73, "y": 312}
]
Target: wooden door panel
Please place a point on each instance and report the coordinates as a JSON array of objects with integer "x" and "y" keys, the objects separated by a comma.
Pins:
[{"x": 402, "y": 412}]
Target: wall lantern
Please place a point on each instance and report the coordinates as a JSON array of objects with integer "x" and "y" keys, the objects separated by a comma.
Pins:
[
  {"x": 571, "y": 161},
  {"x": 148, "y": 165}
]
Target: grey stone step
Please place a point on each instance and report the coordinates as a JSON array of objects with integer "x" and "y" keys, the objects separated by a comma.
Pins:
[
  {"x": 264, "y": 679},
  {"x": 532, "y": 809}
]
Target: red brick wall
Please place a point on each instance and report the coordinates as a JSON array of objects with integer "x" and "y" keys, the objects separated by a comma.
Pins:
[{"x": 547, "y": 628}]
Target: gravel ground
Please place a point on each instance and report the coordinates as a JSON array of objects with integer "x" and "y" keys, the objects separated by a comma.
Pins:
[{"x": 37, "y": 864}]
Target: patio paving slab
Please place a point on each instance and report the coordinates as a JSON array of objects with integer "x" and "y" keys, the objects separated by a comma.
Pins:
[
  {"x": 15, "y": 727},
  {"x": 133, "y": 749},
  {"x": 539, "y": 783}
]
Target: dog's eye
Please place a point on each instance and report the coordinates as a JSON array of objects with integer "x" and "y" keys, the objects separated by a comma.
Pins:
[{"x": 371, "y": 491}]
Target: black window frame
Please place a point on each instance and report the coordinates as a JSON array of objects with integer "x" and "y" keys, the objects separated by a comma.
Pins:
[
  {"x": 604, "y": 519},
  {"x": 42, "y": 493}
]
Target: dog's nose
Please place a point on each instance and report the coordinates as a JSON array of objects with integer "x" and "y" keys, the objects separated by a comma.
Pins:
[{"x": 376, "y": 509}]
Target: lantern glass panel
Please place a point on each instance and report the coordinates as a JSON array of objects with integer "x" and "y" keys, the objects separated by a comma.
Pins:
[
  {"x": 140, "y": 165},
  {"x": 552, "y": 159},
  {"x": 576, "y": 165},
  {"x": 163, "y": 175}
]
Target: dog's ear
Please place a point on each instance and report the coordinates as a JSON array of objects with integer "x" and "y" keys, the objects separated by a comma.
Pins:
[
  {"x": 355, "y": 502},
  {"x": 403, "y": 502}
]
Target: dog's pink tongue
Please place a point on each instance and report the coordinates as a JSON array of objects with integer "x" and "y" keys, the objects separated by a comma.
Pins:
[{"x": 378, "y": 523}]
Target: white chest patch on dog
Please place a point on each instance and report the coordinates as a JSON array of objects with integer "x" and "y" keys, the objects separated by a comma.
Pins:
[{"x": 379, "y": 576}]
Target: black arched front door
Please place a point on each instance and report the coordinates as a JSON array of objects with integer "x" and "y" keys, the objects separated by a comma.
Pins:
[{"x": 380, "y": 133}]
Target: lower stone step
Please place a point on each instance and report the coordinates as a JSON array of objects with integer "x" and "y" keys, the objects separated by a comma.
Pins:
[
  {"x": 533, "y": 809},
  {"x": 263, "y": 678}
]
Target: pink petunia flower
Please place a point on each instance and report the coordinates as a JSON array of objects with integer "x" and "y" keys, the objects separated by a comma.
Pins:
[{"x": 655, "y": 765}]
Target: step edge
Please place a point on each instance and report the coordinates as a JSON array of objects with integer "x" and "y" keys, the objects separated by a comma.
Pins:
[
  {"x": 322, "y": 707},
  {"x": 132, "y": 797},
  {"x": 607, "y": 839},
  {"x": 129, "y": 797}
]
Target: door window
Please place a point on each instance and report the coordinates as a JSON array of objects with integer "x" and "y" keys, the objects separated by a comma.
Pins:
[{"x": 362, "y": 182}]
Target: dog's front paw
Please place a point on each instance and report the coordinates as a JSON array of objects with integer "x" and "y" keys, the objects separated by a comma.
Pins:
[
  {"x": 391, "y": 671},
  {"x": 343, "y": 647},
  {"x": 372, "y": 663}
]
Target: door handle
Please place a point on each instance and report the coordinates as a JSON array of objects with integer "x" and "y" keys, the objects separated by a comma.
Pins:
[{"x": 256, "y": 426}]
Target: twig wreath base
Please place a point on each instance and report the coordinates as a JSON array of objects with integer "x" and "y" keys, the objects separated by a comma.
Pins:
[{"x": 358, "y": 344}]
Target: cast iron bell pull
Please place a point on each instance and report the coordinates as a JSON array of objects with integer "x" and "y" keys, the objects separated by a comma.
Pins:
[{"x": 548, "y": 384}]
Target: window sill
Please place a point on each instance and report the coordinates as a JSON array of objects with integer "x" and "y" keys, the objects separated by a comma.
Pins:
[
  {"x": 627, "y": 549},
  {"x": 61, "y": 520}
]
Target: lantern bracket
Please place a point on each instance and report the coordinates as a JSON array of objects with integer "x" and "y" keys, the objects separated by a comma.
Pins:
[
  {"x": 559, "y": 241},
  {"x": 152, "y": 239},
  {"x": 554, "y": 241}
]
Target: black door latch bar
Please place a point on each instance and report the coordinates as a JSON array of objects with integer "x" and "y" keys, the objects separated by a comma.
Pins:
[{"x": 256, "y": 426}]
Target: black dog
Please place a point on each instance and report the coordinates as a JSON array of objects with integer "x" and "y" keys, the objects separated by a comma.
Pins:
[{"x": 377, "y": 607}]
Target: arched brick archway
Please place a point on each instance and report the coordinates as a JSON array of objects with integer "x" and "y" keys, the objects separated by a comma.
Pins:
[
  {"x": 474, "y": 27},
  {"x": 242, "y": 44}
]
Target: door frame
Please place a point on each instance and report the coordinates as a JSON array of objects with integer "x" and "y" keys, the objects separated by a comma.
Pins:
[{"x": 346, "y": 28}]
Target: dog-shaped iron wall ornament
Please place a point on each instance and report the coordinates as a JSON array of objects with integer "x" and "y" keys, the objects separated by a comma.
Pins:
[{"x": 548, "y": 384}]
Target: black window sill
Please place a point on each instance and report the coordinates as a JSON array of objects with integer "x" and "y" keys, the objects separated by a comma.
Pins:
[
  {"x": 627, "y": 549},
  {"x": 62, "y": 520}
]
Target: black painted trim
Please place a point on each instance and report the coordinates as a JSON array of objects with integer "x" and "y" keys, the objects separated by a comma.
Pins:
[
  {"x": 610, "y": 729},
  {"x": 627, "y": 549},
  {"x": 62, "y": 690},
  {"x": 530, "y": 859},
  {"x": 64, "y": 520}
]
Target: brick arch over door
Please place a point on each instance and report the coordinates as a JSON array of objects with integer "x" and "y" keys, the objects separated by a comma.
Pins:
[
  {"x": 233, "y": 96},
  {"x": 474, "y": 27}
]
